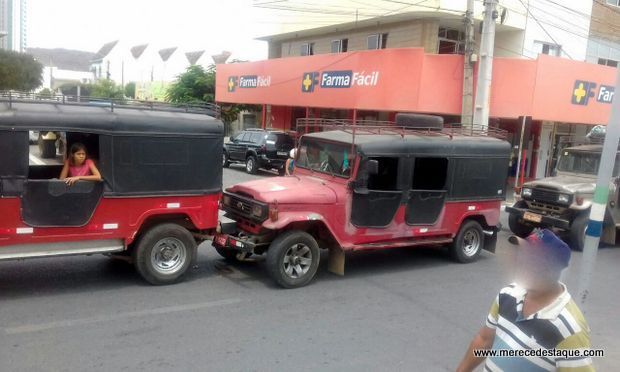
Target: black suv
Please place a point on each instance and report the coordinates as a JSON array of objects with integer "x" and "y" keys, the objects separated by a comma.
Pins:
[{"x": 258, "y": 148}]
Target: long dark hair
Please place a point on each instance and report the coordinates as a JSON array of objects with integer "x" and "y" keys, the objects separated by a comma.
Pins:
[{"x": 75, "y": 148}]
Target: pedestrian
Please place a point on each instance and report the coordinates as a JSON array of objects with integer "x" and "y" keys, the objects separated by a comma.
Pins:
[
  {"x": 534, "y": 315},
  {"x": 290, "y": 162}
]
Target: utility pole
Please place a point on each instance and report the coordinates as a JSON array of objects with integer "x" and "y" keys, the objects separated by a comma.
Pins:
[
  {"x": 485, "y": 67},
  {"x": 601, "y": 194},
  {"x": 468, "y": 67}
]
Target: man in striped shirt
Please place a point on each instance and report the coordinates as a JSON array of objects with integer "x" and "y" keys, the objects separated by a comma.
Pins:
[{"x": 534, "y": 317}]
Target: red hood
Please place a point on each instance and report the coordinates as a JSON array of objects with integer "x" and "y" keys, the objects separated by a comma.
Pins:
[{"x": 295, "y": 189}]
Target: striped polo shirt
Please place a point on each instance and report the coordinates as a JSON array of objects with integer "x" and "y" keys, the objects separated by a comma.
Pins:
[{"x": 560, "y": 325}]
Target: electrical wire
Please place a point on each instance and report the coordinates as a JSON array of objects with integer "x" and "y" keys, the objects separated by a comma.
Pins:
[{"x": 544, "y": 29}]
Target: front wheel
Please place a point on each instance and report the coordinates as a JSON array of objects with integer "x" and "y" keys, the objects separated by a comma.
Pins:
[
  {"x": 468, "y": 242},
  {"x": 225, "y": 160},
  {"x": 293, "y": 259},
  {"x": 517, "y": 226},
  {"x": 251, "y": 165},
  {"x": 164, "y": 253},
  {"x": 577, "y": 234}
]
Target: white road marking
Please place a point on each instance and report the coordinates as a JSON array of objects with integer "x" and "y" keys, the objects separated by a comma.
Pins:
[
  {"x": 31, "y": 328},
  {"x": 35, "y": 160}
]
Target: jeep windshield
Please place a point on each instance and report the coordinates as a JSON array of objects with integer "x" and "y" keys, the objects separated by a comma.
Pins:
[
  {"x": 324, "y": 157},
  {"x": 583, "y": 162}
]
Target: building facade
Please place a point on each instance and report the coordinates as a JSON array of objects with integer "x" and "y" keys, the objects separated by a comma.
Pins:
[
  {"x": 13, "y": 24},
  {"x": 604, "y": 42},
  {"x": 525, "y": 29}
]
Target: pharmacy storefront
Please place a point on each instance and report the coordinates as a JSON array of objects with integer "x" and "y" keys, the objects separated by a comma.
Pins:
[{"x": 560, "y": 98}]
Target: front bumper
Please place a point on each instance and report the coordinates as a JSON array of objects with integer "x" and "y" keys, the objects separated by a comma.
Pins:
[
  {"x": 237, "y": 243},
  {"x": 544, "y": 220}
]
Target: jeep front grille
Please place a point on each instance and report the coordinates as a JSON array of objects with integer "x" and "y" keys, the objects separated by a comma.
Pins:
[
  {"x": 545, "y": 209},
  {"x": 544, "y": 195}
]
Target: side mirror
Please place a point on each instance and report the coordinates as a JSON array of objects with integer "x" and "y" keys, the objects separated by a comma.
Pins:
[{"x": 372, "y": 167}]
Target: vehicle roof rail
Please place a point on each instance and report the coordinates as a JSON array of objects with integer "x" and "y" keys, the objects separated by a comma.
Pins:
[
  {"x": 12, "y": 96},
  {"x": 375, "y": 127}
]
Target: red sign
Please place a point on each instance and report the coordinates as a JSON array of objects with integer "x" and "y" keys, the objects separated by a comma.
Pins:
[{"x": 410, "y": 80}]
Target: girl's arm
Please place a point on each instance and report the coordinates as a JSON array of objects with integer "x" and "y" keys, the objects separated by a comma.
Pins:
[
  {"x": 96, "y": 176},
  {"x": 65, "y": 170}
]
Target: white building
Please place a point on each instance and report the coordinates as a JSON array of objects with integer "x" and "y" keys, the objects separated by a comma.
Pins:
[
  {"x": 13, "y": 22},
  {"x": 63, "y": 66}
]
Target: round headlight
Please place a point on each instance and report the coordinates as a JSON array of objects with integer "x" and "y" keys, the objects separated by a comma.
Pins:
[
  {"x": 526, "y": 192},
  {"x": 257, "y": 211},
  {"x": 564, "y": 198}
]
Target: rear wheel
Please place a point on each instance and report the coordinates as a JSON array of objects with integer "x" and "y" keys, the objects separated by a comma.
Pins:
[
  {"x": 468, "y": 242},
  {"x": 293, "y": 259},
  {"x": 251, "y": 165},
  {"x": 577, "y": 234},
  {"x": 516, "y": 225},
  {"x": 164, "y": 253},
  {"x": 225, "y": 160}
]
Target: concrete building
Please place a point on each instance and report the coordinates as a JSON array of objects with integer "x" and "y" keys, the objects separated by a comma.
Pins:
[
  {"x": 604, "y": 42},
  {"x": 13, "y": 22},
  {"x": 525, "y": 30}
]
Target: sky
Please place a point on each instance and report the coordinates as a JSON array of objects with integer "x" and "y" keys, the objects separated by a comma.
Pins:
[
  {"x": 192, "y": 25},
  {"x": 210, "y": 25}
]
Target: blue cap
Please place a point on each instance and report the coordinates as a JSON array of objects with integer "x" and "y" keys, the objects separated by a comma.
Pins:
[{"x": 544, "y": 239}]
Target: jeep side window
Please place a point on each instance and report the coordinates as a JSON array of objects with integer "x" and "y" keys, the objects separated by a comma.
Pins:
[
  {"x": 387, "y": 177},
  {"x": 256, "y": 137},
  {"x": 430, "y": 174}
]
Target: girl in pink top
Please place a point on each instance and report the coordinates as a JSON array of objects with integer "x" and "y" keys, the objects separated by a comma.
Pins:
[{"x": 77, "y": 167}]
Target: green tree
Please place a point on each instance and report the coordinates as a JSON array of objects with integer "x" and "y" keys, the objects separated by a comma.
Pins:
[
  {"x": 195, "y": 85},
  {"x": 46, "y": 93},
  {"x": 19, "y": 71},
  {"x": 106, "y": 88},
  {"x": 130, "y": 90}
]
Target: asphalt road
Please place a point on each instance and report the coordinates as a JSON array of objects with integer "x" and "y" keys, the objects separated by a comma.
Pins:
[{"x": 398, "y": 310}]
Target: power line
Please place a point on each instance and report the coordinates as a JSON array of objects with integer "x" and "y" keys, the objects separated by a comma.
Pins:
[{"x": 543, "y": 28}]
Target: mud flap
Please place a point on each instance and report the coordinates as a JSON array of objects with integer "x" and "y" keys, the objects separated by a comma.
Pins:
[
  {"x": 336, "y": 260},
  {"x": 490, "y": 240}
]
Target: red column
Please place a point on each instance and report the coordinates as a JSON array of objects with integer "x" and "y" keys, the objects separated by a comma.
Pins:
[{"x": 264, "y": 118}]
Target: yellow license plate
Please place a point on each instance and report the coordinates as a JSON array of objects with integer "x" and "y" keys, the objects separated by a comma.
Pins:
[{"x": 532, "y": 217}]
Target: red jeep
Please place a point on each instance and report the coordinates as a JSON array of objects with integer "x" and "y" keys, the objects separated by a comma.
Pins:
[
  {"x": 162, "y": 178},
  {"x": 359, "y": 187}
]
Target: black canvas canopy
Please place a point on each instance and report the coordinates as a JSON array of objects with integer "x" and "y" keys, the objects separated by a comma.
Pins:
[{"x": 138, "y": 151}]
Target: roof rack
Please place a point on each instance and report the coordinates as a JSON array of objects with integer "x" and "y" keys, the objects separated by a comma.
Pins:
[
  {"x": 112, "y": 103},
  {"x": 374, "y": 127}
]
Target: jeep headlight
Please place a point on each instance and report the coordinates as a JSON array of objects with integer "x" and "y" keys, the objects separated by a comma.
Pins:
[
  {"x": 526, "y": 192},
  {"x": 257, "y": 211},
  {"x": 564, "y": 198}
]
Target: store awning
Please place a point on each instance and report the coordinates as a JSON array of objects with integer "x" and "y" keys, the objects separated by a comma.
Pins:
[{"x": 548, "y": 88}]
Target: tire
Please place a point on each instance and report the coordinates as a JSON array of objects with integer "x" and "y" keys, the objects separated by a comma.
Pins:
[
  {"x": 517, "y": 227},
  {"x": 164, "y": 253},
  {"x": 281, "y": 171},
  {"x": 230, "y": 255},
  {"x": 468, "y": 242},
  {"x": 225, "y": 159},
  {"x": 577, "y": 233},
  {"x": 296, "y": 245},
  {"x": 251, "y": 165}
]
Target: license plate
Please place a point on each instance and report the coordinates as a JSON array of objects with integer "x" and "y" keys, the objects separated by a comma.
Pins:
[
  {"x": 532, "y": 217},
  {"x": 283, "y": 153},
  {"x": 220, "y": 240}
]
